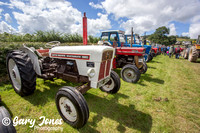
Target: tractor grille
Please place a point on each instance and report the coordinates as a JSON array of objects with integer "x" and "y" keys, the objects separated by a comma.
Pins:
[{"x": 105, "y": 64}]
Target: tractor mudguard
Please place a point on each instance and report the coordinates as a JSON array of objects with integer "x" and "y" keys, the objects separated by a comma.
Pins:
[{"x": 34, "y": 58}]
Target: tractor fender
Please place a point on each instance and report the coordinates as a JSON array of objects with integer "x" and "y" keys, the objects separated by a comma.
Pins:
[
  {"x": 34, "y": 58},
  {"x": 107, "y": 43}
]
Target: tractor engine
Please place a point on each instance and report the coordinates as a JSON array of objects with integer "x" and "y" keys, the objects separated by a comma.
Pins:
[{"x": 122, "y": 60}]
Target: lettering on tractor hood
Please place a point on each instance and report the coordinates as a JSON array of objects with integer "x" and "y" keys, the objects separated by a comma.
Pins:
[{"x": 71, "y": 56}]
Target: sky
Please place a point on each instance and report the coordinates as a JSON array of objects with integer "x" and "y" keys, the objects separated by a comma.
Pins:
[{"x": 182, "y": 17}]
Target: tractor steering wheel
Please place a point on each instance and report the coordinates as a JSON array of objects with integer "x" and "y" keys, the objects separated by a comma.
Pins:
[{"x": 52, "y": 44}]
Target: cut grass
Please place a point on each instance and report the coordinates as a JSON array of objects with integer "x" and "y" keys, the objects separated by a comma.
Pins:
[{"x": 140, "y": 107}]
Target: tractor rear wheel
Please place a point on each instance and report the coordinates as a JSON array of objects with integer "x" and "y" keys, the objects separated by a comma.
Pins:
[
  {"x": 143, "y": 69},
  {"x": 113, "y": 85},
  {"x": 6, "y": 124},
  {"x": 183, "y": 53},
  {"x": 21, "y": 72},
  {"x": 186, "y": 53},
  {"x": 193, "y": 54},
  {"x": 130, "y": 73},
  {"x": 72, "y": 106}
]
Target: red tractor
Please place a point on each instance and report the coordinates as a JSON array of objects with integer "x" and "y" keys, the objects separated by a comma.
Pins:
[
  {"x": 154, "y": 52},
  {"x": 130, "y": 59}
]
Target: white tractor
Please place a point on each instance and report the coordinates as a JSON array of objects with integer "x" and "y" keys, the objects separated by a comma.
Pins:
[{"x": 89, "y": 65}]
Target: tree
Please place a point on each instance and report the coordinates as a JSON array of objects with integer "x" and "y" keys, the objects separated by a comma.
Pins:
[
  {"x": 160, "y": 36},
  {"x": 172, "y": 39}
]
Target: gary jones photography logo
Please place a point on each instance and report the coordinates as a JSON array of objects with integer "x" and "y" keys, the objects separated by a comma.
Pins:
[{"x": 43, "y": 124}]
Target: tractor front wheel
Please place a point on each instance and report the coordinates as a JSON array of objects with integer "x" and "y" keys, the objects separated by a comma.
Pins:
[
  {"x": 113, "y": 84},
  {"x": 149, "y": 58},
  {"x": 130, "y": 73},
  {"x": 6, "y": 125},
  {"x": 72, "y": 106},
  {"x": 143, "y": 69}
]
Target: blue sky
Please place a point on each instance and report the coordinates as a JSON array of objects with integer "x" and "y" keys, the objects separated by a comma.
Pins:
[{"x": 24, "y": 16}]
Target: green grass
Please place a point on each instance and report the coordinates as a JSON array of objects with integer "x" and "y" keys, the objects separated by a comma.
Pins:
[{"x": 135, "y": 108}]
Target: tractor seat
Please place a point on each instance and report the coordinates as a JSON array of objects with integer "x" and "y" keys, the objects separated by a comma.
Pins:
[{"x": 43, "y": 52}]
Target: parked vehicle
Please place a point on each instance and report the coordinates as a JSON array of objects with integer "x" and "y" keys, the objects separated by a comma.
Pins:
[
  {"x": 89, "y": 65},
  {"x": 138, "y": 43},
  {"x": 154, "y": 51},
  {"x": 194, "y": 52},
  {"x": 130, "y": 59}
]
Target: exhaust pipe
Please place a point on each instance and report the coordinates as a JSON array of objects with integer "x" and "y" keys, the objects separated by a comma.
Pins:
[
  {"x": 84, "y": 29},
  {"x": 131, "y": 36}
]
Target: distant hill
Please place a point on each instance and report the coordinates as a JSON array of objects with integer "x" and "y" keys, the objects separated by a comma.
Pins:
[{"x": 184, "y": 39}]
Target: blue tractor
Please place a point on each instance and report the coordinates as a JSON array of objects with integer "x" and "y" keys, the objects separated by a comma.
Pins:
[
  {"x": 116, "y": 38},
  {"x": 138, "y": 43}
]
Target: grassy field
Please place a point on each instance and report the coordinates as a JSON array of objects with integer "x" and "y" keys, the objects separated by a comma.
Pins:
[
  {"x": 184, "y": 39},
  {"x": 166, "y": 99}
]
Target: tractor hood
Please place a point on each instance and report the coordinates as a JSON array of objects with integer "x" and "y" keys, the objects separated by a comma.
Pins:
[
  {"x": 147, "y": 47},
  {"x": 93, "y": 53},
  {"x": 131, "y": 51}
]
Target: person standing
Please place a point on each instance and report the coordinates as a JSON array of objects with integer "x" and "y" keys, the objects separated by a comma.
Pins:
[
  {"x": 164, "y": 50},
  {"x": 171, "y": 51},
  {"x": 168, "y": 50},
  {"x": 177, "y": 51}
]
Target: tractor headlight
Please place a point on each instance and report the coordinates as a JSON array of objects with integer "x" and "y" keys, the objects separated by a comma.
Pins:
[{"x": 91, "y": 73}]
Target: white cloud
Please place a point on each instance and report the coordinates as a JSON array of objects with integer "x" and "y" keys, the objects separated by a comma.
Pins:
[
  {"x": 1, "y": 10},
  {"x": 172, "y": 29},
  {"x": 6, "y": 4},
  {"x": 96, "y": 6},
  {"x": 95, "y": 25},
  {"x": 4, "y": 27},
  {"x": 185, "y": 34},
  {"x": 46, "y": 15},
  {"x": 194, "y": 30},
  {"x": 140, "y": 24},
  {"x": 8, "y": 18},
  {"x": 196, "y": 19},
  {"x": 57, "y": 15},
  {"x": 145, "y": 15}
]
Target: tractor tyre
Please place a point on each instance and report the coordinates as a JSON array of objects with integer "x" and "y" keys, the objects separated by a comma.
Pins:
[
  {"x": 72, "y": 106},
  {"x": 183, "y": 53},
  {"x": 130, "y": 73},
  {"x": 149, "y": 58},
  {"x": 193, "y": 54},
  {"x": 113, "y": 85},
  {"x": 186, "y": 53},
  {"x": 21, "y": 72},
  {"x": 153, "y": 54},
  {"x": 6, "y": 124},
  {"x": 143, "y": 69}
]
